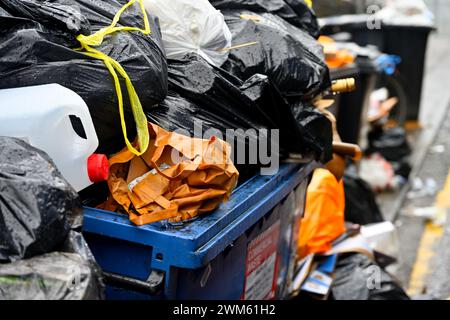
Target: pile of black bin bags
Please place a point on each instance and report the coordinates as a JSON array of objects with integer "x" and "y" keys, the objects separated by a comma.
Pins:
[
  {"x": 263, "y": 86},
  {"x": 202, "y": 93},
  {"x": 288, "y": 55},
  {"x": 296, "y": 12},
  {"x": 42, "y": 252},
  {"x": 37, "y": 42}
]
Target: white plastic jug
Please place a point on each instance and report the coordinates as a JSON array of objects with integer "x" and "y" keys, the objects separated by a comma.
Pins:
[{"x": 40, "y": 115}]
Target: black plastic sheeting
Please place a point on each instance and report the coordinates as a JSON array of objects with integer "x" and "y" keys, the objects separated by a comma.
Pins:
[
  {"x": 360, "y": 204},
  {"x": 42, "y": 252},
  {"x": 69, "y": 274},
  {"x": 199, "y": 92},
  {"x": 295, "y": 12},
  {"x": 302, "y": 128},
  {"x": 37, "y": 206},
  {"x": 358, "y": 278},
  {"x": 46, "y": 32},
  {"x": 52, "y": 276},
  {"x": 316, "y": 130},
  {"x": 45, "y": 277},
  {"x": 216, "y": 91},
  {"x": 392, "y": 143},
  {"x": 291, "y": 58}
]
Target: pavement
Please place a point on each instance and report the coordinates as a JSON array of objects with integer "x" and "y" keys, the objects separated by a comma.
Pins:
[
  {"x": 424, "y": 247},
  {"x": 430, "y": 272}
]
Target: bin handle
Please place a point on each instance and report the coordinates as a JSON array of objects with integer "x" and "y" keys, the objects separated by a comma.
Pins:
[{"x": 153, "y": 286}]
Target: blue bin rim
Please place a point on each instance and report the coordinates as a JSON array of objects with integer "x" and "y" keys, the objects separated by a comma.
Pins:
[{"x": 198, "y": 242}]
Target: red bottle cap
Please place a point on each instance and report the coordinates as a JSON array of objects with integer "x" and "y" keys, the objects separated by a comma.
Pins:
[{"x": 98, "y": 168}]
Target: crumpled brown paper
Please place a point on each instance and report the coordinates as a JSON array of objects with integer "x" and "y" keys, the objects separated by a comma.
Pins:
[{"x": 177, "y": 178}]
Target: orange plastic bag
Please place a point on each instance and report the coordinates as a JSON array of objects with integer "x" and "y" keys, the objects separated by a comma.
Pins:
[
  {"x": 176, "y": 179},
  {"x": 323, "y": 221}
]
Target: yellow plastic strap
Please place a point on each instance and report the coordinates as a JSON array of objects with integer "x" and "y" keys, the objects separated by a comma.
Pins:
[
  {"x": 96, "y": 39},
  {"x": 309, "y": 3}
]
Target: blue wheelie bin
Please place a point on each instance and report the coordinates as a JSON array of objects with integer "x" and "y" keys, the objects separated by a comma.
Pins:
[{"x": 243, "y": 250}]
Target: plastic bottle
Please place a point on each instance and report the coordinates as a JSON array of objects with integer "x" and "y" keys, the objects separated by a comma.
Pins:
[{"x": 42, "y": 116}]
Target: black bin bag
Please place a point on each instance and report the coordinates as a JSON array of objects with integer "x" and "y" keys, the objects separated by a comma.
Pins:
[
  {"x": 204, "y": 100},
  {"x": 392, "y": 143},
  {"x": 305, "y": 19},
  {"x": 290, "y": 57},
  {"x": 295, "y": 12},
  {"x": 201, "y": 93},
  {"x": 71, "y": 273},
  {"x": 52, "y": 276},
  {"x": 37, "y": 42},
  {"x": 360, "y": 204},
  {"x": 42, "y": 252},
  {"x": 358, "y": 278},
  {"x": 37, "y": 206}
]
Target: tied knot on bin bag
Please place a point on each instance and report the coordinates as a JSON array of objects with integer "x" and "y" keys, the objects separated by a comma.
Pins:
[
  {"x": 114, "y": 67},
  {"x": 176, "y": 179}
]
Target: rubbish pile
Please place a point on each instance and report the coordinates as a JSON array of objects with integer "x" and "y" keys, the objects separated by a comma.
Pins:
[
  {"x": 345, "y": 246},
  {"x": 343, "y": 250},
  {"x": 157, "y": 111},
  {"x": 65, "y": 42},
  {"x": 386, "y": 165},
  {"x": 296, "y": 12},
  {"x": 290, "y": 57},
  {"x": 372, "y": 117}
]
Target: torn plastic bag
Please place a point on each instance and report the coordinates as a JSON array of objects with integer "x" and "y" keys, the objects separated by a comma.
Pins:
[
  {"x": 358, "y": 278},
  {"x": 37, "y": 206},
  {"x": 290, "y": 57},
  {"x": 52, "y": 276},
  {"x": 296, "y": 12},
  {"x": 360, "y": 204},
  {"x": 47, "y": 32},
  {"x": 192, "y": 26},
  {"x": 202, "y": 93}
]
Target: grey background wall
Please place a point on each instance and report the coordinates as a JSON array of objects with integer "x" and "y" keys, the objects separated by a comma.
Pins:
[{"x": 441, "y": 10}]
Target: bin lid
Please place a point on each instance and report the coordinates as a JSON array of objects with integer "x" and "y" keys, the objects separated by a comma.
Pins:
[
  {"x": 349, "y": 71},
  {"x": 359, "y": 21}
]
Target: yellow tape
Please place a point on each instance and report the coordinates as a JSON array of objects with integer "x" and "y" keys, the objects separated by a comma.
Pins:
[
  {"x": 309, "y": 3},
  {"x": 96, "y": 39}
]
